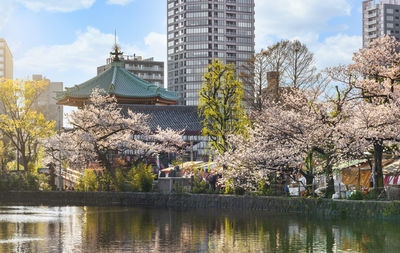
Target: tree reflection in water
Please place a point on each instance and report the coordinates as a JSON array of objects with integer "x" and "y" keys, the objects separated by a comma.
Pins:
[{"x": 101, "y": 229}]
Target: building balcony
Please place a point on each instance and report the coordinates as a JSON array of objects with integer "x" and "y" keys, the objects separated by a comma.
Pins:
[
  {"x": 372, "y": 8},
  {"x": 372, "y": 36},
  {"x": 372, "y": 22},
  {"x": 148, "y": 77},
  {"x": 144, "y": 69},
  {"x": 371, "y": 15}
]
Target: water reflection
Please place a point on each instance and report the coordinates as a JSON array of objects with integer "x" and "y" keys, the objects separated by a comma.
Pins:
[{"x": 91, "y": 229}]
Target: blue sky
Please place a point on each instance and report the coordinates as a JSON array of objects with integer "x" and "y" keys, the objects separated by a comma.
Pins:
[{"x": 66, "y": 40}]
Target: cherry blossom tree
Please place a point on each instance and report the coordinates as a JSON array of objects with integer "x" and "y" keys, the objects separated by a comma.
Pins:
[
  {"x": 101, "y": 130},
  {"x": 284, "y": 135},
  {"x": 363, "y": 115},
  {"x": 299, "y": 133},
  {"x": 372, "y": 112}
]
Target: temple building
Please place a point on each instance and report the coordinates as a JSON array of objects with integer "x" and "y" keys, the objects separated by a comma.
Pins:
[
  {"x": 117, "y": 81},
  {"x": 141, "y": 96}
]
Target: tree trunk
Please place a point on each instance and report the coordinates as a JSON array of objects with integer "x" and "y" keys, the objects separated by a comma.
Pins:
[
  {"x": 52, "y": 177},
  {"x": 330, "y": 183},
  {"x": 24, "y": 159},
  {"x": 309, "y": 181},
  {"x": 377, "y": 171}
]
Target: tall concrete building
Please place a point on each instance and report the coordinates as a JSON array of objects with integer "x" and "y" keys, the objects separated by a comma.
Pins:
[
  {"x": 200, "y": 31},
  {"x": 6, "y": 60},
  {"x": 46, "y": 103},
  {"x": 147, "y": 69},
  {"x": 380, "y": 17}
]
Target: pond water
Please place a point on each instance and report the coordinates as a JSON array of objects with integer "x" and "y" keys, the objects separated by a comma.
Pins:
[{"x": 115, "y": 229}]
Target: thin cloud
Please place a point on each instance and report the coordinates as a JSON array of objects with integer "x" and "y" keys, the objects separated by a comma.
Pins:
[
  {"x": 337, "y": 50},
  {"x": 77, "y": 62},
  {"x": 305, "y": 20},
  {"x": 119, "y": 2},
  {"x": 56, "y": 5},
  {"x": 6, "y": 7},
  {"x": 286, "y": 19}
]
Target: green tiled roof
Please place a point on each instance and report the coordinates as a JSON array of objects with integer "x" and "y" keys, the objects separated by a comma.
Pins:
[{"x": 119, "y": 82}]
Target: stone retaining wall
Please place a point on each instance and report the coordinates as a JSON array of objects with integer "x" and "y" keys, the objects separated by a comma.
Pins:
[
  {"x": 167, "y": 185},
  {"x": 324, "y": 207}
]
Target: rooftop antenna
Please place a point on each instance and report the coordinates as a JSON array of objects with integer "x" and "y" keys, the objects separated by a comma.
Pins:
[
  {"x": 115, "y": 36},
  {"x": 116, "y": 52}
]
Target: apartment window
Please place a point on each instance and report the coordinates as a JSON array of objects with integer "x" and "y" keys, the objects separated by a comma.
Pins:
[
  {"x": 231, "y": 15},
  {"x": 196, "y": 22},
  {"x": 197, "y": 30},
  {"x": 389, "y": 11},
  {"x": 197, "y": 7},
  {"x": 244, "y": 8},
  {"x": 197, "y": 14},
  {"x": 245, "y": 16},
  {"x": 245, "y": 48},
  {"x": 246, "y": 24},
  {"x": 196, "y": 46}
]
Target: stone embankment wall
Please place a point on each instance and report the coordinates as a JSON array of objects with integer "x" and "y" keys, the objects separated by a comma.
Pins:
[{"x": 324, "y": 207}]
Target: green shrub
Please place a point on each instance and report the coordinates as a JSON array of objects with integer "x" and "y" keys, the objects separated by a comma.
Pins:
[
  {"x": 239, "y": 191},
  {"x": 371, "y": 195},
  {"x": 89, "y": 182},
  {"x": 357, "y": 195},
  {"x": 228, "y": 189},
  {"x": 23, "y": 181},
  {"x": 120, "y": 182},
  {"x": 140, "y": 178},
  {"x": 44, "y": 184},
  {"x": 106, "y": 182},
  {"x": 264, "y": 188},
  {"x": 199, "y": 185}
]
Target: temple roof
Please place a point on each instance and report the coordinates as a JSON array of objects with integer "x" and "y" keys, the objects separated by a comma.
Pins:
[
  {"x": 127, "y": 88},
  {"x": 175, "y": 117}
]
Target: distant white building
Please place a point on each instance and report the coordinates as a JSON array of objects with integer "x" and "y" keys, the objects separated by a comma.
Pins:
[
  {"x": 380, "y": 17},
  {"x": 6, "y": 61},
  {"x": 46, "y": 103},
  {"x": 147, "y": 69}
]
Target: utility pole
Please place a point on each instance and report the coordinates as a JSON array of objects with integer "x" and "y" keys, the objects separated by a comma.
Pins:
[{"x": 60, "y": 180}]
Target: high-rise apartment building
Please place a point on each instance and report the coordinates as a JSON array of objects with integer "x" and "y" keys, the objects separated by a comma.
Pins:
[
  {"x": 380, "y": 17},
  {"x": 147, "y": 69},
  {"x": 200, "y": 31},
  {"x": 46, "y": 103},
  {"x": 6, "y": 60}
]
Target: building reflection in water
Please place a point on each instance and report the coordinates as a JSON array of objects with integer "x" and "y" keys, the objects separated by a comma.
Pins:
[{"x": 99, "y": 229}]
